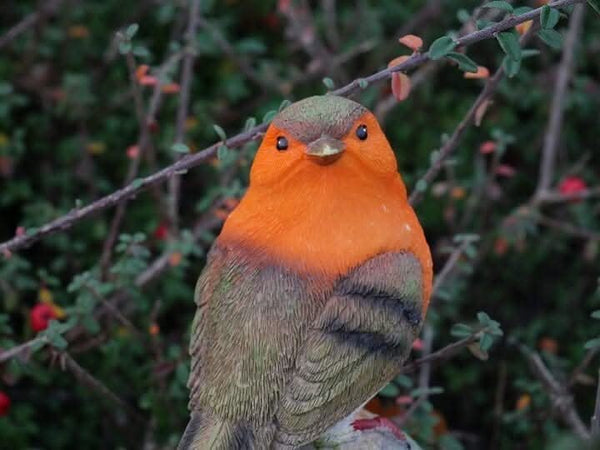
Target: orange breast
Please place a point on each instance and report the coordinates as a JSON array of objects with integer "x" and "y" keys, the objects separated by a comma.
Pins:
[{"x": 329, "y": 220}]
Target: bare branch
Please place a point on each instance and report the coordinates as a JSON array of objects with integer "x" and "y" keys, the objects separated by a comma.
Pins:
[
  {"x": 442, "y": 354},
  {"x": 87, "y": 379},
  {"x": 562, "y": 400},
  {"x": 596, "y": 417},
  {"x": 48, "y": 9},
  {"x": 183, "y": 107},
  {"x": 13, "y": 352},
  {"x": 552, "y": 137}
]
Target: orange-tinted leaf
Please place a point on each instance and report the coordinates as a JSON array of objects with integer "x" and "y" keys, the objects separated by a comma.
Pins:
[
  {"x": 383, "y": 408},
  {"x": 170, "y": 88},
  {"x": 549, "y": 345},
  {"x": 95, "y": 148},
  {"x": 133, "y": 151},
  {"x": 175, "y": 259},
  {"x": 404, "y": 400},
  {"x": 487, "y": 147},
  {"x": 400, "y": 86},
  {"x": 141, "y": 71},
  {"x": 500, "y": 246},
  {"x": 190, "y": 123},
  {"x": 457, "y": 192},
  {"x": 148, "y": 80},
  {"x": 504, "y": 170},
  {"x": 441, "y": 427},
  {"x": 523, "y": 402},
  {"x": 417, "y": 344},
  {"x": 397, "y": 61},
  {"x": 20, "y": 231},
  {"x": 482, "y": 73},
  {"x": 411, "y": 41},
  {"x": 78, "y": 32},
  {"x": 524, "y": 27},
  {"x": 153, "y": 329}
]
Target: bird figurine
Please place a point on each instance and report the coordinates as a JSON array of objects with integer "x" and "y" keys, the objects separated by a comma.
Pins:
[{"x": 314, "y": 290}]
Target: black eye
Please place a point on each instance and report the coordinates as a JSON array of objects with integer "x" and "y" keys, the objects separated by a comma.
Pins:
[
  {"x": 282, "y": 143},
  {"x": 361, "y": 132}
]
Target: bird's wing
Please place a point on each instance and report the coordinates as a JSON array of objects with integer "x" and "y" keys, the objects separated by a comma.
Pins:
[
  {"x": 354, "y": 347},
  {"x": 250, "y": 322}
]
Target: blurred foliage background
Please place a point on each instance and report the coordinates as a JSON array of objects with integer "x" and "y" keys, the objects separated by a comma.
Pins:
[{"x": 74, "y": 89}]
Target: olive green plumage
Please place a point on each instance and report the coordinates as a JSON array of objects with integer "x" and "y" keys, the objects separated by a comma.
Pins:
[
  {"x": 278, "y": 356},
  {"x": 312, "y": 117}
]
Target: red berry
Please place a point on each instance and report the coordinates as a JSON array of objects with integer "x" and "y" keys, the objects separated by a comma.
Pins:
[
  {"x": 40, "y": 315},
  {"x": 572, "y": 185},
  {"x": 161, "y": 232},
  {"x": 4, "y": 404}
]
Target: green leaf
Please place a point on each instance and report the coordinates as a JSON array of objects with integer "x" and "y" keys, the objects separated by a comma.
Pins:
[
  {"x": 509, "y": 42},
  {"x": 465, "y": 63},
  {"x": 328, "y": 82},
  {"x": 551, "y": 37},
  {"x": 180, "y": 147},
  {"x": 549, "y": 17},
  {"x": 250, "y": 123},
  {"x": 510, "y": 66},
  {"x": 421, "y": 186},
  {"x": 404, "y": 381},
  {"x": 595, "y": 314},
  {"x": 483, "y": 318},
  {"x": 434, "y": 390},
  {"x": 595, "y": 4},
  {"x": 441, "y": 47},
  {"x": 137, "y": 183},
  {"x": 220, "y": 132},
  {"x": 222, "y": 152},
  {"x": 284, "y": 104},
  {"x": 522, "y": 10},
  {"x": 131, "y": 30},
  {"x": 269, "y": 116},
  {"x": 124, "y": 47},
  {"x": 529, "y": 52},
  {"x": 461, "y": 330},
  {"x": 504, "y": 6},
  {"x": 449, "y": 442},
  {"x": 486, "y": 342},
  {"x": 362, "y": 83},
  {"x": 593, "y": 343},
  {"x": 390, "y": 390}
]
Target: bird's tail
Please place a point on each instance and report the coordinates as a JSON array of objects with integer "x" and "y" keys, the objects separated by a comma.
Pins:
[{"x": 206, "y": 432}]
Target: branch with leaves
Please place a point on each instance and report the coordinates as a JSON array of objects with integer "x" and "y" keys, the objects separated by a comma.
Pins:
[{"x": 439, "y": 49}]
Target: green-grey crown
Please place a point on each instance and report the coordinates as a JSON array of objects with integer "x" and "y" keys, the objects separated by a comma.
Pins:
[{"x": 313, "y": 117}]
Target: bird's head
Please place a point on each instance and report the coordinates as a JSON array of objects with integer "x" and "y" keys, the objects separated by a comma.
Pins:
[{"x": 322, "y": 135}]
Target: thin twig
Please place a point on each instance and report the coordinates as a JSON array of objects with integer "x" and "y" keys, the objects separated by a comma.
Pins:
[
  {"x": 448, "y": 267},
  {"x": 565, "y": 71},
  {"x": 87, "y": 379},
  {"x": 557, "y": 197},
  {"x": 562, "y": 400},
  {"x": 566, "y": 227},
  {"x": 442, "y": 354},
  {"x": 68, "y": 220},
  {"x": 587, "y": 359},
  {"x": 13, "y": 352},
  {"x": 595, "y": 422},
  {"x": 48, "y": 8},
  {"x": 183, "y": 108}
]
